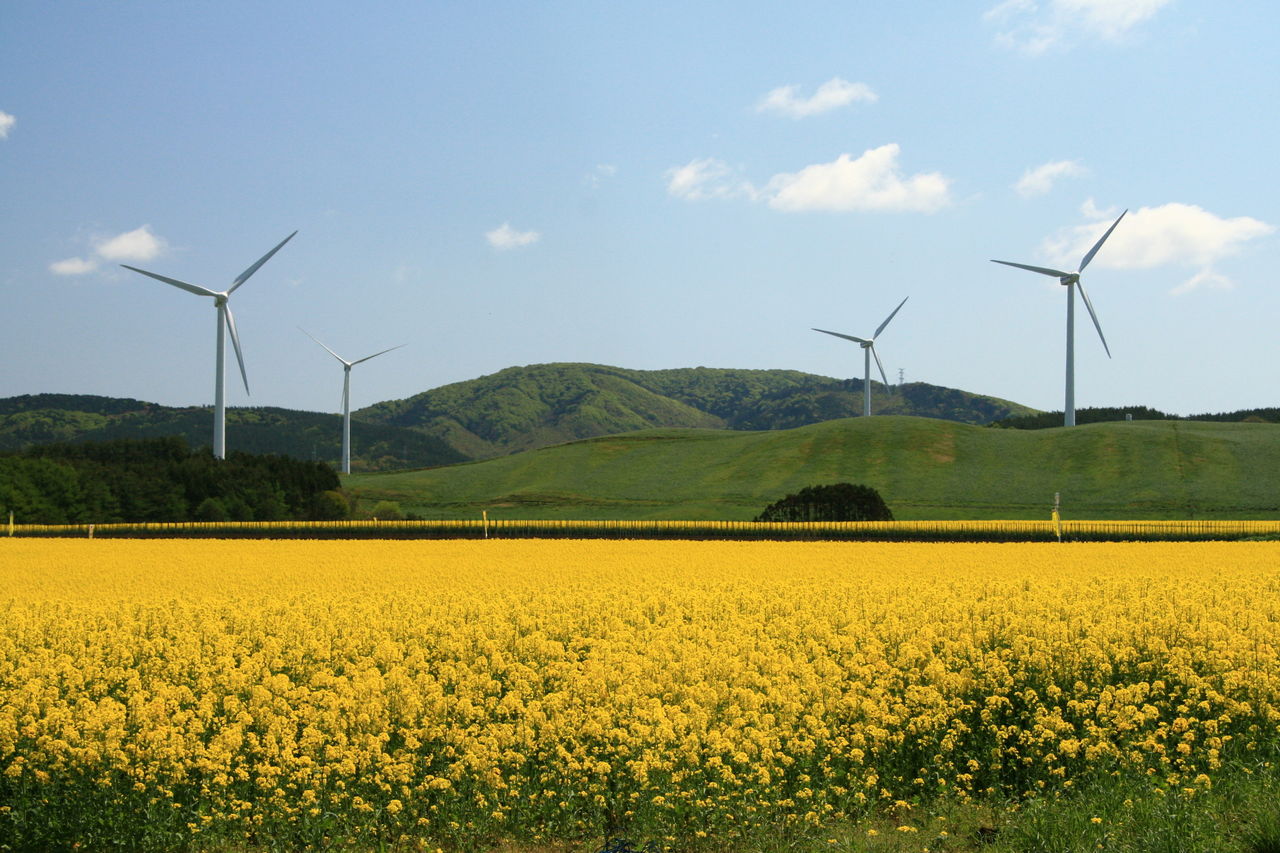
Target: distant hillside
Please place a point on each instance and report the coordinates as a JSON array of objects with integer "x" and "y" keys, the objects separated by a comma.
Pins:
[
  {"x": 923, "y": 468},
  {"x": 522, "y": 408},
  {"x": 43, "y": 418}
]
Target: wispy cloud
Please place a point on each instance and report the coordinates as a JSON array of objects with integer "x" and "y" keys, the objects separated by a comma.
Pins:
[
  {"x": 140, "y": 244},
  {"x": 699, "y": 180},
  {"x": 1206, "y": 279},
  {"x": 6, "y": 124},
  {"x": 504, "y": 237},
  {"x": 601, "y": 173},
  {"x": 1034, "y": 27},
  {"x": 1172, "y": 234},
  {"x": 831, "y": 95},
  {"x": 1041, "y": 179},
  {"x": 872, "y": 181}
]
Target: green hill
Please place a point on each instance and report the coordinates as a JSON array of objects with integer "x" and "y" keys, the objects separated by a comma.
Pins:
[
  {"x": 924, "y": 468},
  {"x": 43, "y": 418},
  {"x": 522, "y": 408}
]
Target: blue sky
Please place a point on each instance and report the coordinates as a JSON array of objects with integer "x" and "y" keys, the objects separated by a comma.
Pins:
[{"x": 646, "y": 185}]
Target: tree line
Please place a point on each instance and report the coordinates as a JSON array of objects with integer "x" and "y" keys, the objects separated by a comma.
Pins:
[
  {"x": 162, "y": 479},
  {"x": 1103, "y": 414}
]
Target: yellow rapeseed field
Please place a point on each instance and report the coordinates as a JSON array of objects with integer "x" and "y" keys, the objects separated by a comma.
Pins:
[{"x": 301, "y": 691}]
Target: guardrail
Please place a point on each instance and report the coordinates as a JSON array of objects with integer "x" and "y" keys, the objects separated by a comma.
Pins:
[{"x": 923, "y": 531}]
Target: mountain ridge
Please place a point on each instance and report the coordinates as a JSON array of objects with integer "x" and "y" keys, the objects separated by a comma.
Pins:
[
  {"x": 515, "y": 409},
  {"x": 523, "y": 408}
]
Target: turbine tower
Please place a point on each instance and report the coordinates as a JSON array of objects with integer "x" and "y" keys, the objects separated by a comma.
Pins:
[
  {"x": 346, "y": 395},
  {"x": 1071, "y": 280},
  {"x": 869, "y": 351},
  {"x": 226, "y": 322}
]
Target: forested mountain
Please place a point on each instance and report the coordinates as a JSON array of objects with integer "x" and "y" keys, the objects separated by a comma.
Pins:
[
  {"x": 522, "y": 408},
  {"x": 42, "y": 418}
]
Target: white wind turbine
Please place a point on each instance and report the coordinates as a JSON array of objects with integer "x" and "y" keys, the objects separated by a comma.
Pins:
[
  {"x": 226, "y": 322},
  {"x": 868, "y": 351},
  {"x": 346, "y": 395},
  {"x": 1071, "y": 280}
]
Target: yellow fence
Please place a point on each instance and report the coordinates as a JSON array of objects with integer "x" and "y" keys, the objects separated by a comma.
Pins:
[{"x": 1009, "y": 531}]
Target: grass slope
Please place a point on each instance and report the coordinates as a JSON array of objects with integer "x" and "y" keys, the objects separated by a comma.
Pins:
[{"x": 924, "y": 468}]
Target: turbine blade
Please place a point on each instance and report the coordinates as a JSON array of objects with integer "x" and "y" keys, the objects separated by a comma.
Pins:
[
  {"x": 846, "y": 337},
  {"x": 1098, "y": 245},
  {"x": 1096, "y": 325},
  {"x": 1041, "y": 270},
  {"x": 887, "y": 319},
  {"x": 244, "y": 276},
  {"x": 346, "y": 397},
  {"x": 879, "y": 365},
  {"x": 376, "y": 354},
  {"x": 235, "y": 342},
  {"x": 187, "y": 286},
  {"x": 326, "y": 349}
]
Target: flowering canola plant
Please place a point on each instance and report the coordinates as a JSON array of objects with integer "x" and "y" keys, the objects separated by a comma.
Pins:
[{"x": 303, "y": 692}]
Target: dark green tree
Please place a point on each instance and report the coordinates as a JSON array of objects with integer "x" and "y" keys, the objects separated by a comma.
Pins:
[
  {"x": 211, "y": 509},
  {"x": 836, "y": 502},
  {"x": 329, "y": 506}
]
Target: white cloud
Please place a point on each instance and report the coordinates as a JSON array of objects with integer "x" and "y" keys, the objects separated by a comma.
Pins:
[
  {"x": 1034, "y": 27},
  {"x": 699, "y": 180},
  {"x": 1168, "y": 235},
  {"x": 136, "y": 245},
  {"x": 140, "y": 244},
  {"x": 831, "y": 95},
  {"x": 870, "y": 182},
  {"x": 1041, "y": 179},
  {"x": 504, "y": 237},
  {"x": 873, "y": 181},
  {"x": 6, "y": 124},
  {"x": 1110, "y": 19},
  {"x": 73, "y": 266}
]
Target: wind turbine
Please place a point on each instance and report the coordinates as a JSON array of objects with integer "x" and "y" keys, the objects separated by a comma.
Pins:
[
  {"x": 225, "y": 322},
  {"x": 869, "y": 350},
  {"x": 1071, "y": 280},
  {"x": 346, "y": 395}
]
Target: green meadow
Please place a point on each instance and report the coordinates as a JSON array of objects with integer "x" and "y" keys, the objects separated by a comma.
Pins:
[{"x": 925, "y": 469}]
